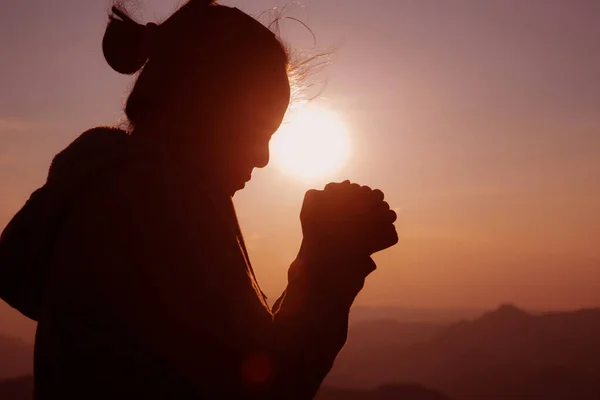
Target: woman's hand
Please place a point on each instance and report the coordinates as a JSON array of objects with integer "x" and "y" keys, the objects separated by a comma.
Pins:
[{"x": 347, "y": 219}]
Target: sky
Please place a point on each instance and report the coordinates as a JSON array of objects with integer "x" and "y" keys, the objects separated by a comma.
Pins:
[{"x": 479, "y": 119}]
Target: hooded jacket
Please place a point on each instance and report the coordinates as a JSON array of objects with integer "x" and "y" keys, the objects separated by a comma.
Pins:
[{"x": 142, "y": 287}]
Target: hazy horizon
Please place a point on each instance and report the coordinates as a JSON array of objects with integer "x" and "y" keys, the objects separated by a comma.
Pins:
[{"x": 479, "y": 120}]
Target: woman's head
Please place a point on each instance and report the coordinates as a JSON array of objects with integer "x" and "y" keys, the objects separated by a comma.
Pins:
[{"x": 213, "y": 85}]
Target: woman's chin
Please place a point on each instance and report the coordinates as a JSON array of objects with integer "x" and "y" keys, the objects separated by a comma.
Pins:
[{"x": 237, "y": 186}]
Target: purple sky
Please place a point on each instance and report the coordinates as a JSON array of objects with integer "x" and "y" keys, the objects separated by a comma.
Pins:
[{"x": 479, "y": 119}]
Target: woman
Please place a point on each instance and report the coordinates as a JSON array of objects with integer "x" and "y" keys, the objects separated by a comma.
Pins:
[{"x": 149, "y": 292}]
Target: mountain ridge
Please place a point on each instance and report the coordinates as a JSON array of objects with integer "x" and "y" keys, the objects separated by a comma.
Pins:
[{"x": 504, "y": 352}]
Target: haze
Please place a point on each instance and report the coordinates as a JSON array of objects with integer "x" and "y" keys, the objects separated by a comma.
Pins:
[{"x": 479, "y": 120}]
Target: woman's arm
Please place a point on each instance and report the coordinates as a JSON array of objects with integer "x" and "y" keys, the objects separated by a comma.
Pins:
[
  {"x": 174, "y": 274},
  {"x": 312, "y": 316}
]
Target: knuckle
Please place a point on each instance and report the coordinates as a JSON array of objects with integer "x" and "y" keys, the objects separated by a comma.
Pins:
[
  {"x": 311, "y": 194},
  {"x": 377, "y": 195},
  {"x": 389, "y": 216}
]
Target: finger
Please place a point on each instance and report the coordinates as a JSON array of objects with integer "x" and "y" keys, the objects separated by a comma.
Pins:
[
  {"x": 381, "y": 220},
  {"x": 383, "y": 238},
  {"x": 392, "y": 216},
  {"x": 337, "y": 185},
  {"x": 381, "y": 206},
  {"x": 377, "y": 195},
  {"x": 366, "y": 191},
  {"x": 311, "y": 195},
  {"x": 355, "y": 188},
  {"x": 388, "y": 237},
  {"x": 331, "y": 185},
  {"x": 311, "y": 201},
  {"x": 391, "y": 238},
  {"x": 386, "y": 217}
]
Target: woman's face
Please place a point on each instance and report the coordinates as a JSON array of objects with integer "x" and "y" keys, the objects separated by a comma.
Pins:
[{"x": 245, "y": 128}]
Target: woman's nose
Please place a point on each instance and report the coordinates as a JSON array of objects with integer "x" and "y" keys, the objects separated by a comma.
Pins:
[{"x": 262, "y": 156}]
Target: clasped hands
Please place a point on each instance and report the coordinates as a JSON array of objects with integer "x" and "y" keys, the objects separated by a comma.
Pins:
[{"x": 345, "y": 222}]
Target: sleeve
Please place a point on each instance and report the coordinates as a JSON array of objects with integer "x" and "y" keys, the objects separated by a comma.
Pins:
[{"x": 177, "y": 279}]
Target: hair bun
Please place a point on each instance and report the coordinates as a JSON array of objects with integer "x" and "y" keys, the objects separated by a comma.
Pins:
[{"x": 125, "y": 43}]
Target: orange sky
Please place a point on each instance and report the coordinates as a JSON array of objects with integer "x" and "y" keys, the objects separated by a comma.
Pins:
[{"x": 480, "y": 120}]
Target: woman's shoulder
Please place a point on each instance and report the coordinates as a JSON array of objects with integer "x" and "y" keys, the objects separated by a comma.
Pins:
[
  {"x": 119, "y": 179},
  {"x": 93, "y": 150}
]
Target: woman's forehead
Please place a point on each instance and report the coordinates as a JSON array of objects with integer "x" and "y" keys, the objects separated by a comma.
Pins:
[
  {"x": 269, "y": 84},
  {"x": 266, "y": 105}
]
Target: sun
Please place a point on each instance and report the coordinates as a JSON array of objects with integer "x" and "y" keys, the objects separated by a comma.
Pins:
[{"x": 312, "y": 143}]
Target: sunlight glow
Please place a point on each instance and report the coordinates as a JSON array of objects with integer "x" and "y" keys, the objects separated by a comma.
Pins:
[{"x": 312, "y": 143}]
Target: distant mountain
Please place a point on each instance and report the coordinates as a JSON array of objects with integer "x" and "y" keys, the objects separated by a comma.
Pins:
[
  {"x": 413, "y": 315},
  {"x": 505, "y": 353},
  {"x": 388, "y": 392},
  {"x": 369, "y": 340},
  {"x": 17, "y": 388},
  {"x": 16, "y": 358}
]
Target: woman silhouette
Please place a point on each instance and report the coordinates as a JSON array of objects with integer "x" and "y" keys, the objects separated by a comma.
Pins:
[{"x": 149, "y": 292}]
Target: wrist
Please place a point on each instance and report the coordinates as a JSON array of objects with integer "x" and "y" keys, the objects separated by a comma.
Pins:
[
  {"x": 331, "y": 264},
  {"x": 321, "y": 250}
]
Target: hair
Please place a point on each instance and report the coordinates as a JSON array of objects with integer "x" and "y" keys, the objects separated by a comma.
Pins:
[{"x": 196, "y": 56}]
